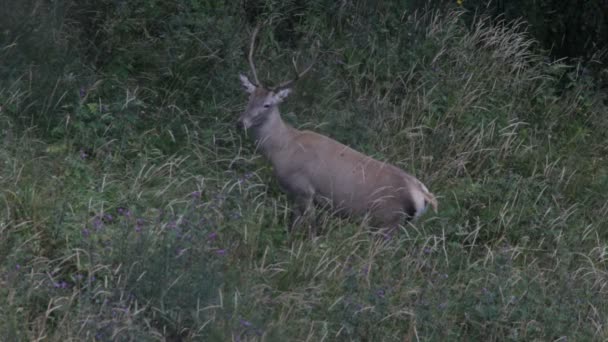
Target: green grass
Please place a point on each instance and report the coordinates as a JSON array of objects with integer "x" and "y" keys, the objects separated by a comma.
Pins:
[{"x": 131, "y": 209}]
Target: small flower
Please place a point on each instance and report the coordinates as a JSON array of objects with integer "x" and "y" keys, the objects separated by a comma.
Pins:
[
  {"x": 83, "y": 154},
  {"x": 86, "y": 233},
  {"x": 97, "y": 223},
  {"x": 427, "y": 250},
  {"x": 108, "y": 217},
  {"x": 220, "y": 252},
  {"x": 82, "y": 92},
  {"x": 212, "y": 236},
  {"x": 245, "y": 323},
  {"x": 248, "y": 175},
  {"x": 63, "y": 285},
  {"x": 172, "y": 224},
  {"x": 380, "y": 293},
  {"x": 196, "y": 194},
  {"x": 443, "y": 305}
]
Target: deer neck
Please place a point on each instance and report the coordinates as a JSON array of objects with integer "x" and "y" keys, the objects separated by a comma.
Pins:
[{"x": 273, "y": 135}]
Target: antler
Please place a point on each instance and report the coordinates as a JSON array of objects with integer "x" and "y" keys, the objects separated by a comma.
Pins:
[
  {"x": 251, "y": 47},
  {"x": 298, "y": 74}
]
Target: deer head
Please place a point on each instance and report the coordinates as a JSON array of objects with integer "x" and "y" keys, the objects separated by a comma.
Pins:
[{"x": 264, "y": 100}]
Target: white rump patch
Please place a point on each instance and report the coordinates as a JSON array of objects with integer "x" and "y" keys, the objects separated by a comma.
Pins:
[{"x": 420, "y": 200}]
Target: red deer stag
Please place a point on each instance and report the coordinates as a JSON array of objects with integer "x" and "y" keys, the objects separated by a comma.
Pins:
[{"x": 312, "y": 168}]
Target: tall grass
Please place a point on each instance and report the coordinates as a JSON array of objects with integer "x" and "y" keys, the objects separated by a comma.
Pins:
[{"x": 131, "y": 209}]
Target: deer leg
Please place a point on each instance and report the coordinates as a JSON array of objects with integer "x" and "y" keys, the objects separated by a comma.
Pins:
[{"x": 301, "y": 212}]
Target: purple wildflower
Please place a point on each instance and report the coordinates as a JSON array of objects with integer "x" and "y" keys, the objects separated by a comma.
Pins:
[
  {"x": 86, "y": 233},
  {"x": 139, "y": 224},
  {"x": 365, "y": 270},
  {"x": 212, "y": 236},
  {"x": 245, "y": 323},
  {"x": 17, "y": 267},
  {"x": 83, "y": 154},
  {"x": 248, "y": 175},
  {"x": 97, "y": 223},
  {"x": 196, "y": 194},
  {"x": 427, "y": 250},
  {"x": 380, "y": 293},
  {"x": 61, "y": 285},
  {"x": 82, "y": 92},
  {"x": 108, "y": 217},
  {"x": 220, "y": 252}
]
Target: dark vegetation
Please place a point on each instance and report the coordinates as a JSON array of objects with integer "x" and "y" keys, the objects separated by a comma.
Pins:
[{"x": 131, "y": 209}]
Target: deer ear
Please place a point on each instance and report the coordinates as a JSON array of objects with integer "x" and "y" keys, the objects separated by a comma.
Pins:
[
  {"x": 280, "y": 95},
  {"x": 249, "y": 87}
]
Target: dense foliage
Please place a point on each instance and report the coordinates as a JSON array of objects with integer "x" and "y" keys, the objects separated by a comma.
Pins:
[{"x": 131, "y": 209}]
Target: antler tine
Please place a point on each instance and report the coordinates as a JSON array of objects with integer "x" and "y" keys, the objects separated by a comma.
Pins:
[
  {"x": 298, "y": 74},
  {"x": 251, "y": 47}
]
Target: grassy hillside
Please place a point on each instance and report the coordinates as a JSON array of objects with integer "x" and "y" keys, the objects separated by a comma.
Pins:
[{"x": 131, "y": 209}]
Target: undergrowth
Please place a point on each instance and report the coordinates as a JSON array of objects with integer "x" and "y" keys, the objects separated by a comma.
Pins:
[{"x": 133, "y": 210}]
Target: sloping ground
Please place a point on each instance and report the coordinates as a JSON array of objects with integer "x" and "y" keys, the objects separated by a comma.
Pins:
[{"x": 139, "y": 213}]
